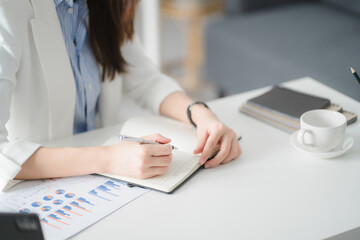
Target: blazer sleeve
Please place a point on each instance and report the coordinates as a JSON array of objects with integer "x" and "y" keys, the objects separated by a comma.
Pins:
[
  {"x": 12, "y": 153},
  {"x": 143, "y": 81}
]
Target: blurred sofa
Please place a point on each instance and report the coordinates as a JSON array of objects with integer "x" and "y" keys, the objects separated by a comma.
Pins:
[{"x": 264, "y": 42}]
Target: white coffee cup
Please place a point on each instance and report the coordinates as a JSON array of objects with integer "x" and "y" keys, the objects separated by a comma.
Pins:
[{"x": 321, "y": 130}]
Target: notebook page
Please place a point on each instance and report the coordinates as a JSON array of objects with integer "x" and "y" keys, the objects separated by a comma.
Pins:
[
  {"x": 182, "y": 135},
  {"x": 182, "y": 166}
]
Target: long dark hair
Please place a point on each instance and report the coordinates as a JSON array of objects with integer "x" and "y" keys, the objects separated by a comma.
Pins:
[{"x": 111, "y": 23}]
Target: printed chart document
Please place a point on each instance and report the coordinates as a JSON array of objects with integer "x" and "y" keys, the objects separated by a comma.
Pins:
[
  {"x": 184, "y": 162},
  {"x": 66, "y": 206}
]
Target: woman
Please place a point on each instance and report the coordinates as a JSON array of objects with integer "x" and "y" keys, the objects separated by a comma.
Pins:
[{"x": 62, "y": 64}]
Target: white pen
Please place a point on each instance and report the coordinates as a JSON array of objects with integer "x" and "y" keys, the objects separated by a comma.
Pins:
[{"x": 140, "y": 140}]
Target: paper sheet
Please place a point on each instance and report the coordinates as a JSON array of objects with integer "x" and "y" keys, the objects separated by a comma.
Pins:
[
  {"x": 66, "y": 206},
  {"x": 183, "y": 135},
  {"x": 182, "y": 166}
]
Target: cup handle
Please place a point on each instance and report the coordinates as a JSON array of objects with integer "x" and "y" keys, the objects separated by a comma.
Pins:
[{"x": 301, "y": 135}]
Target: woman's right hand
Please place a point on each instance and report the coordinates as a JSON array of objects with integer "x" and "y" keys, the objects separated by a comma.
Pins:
[{"x": 138, "y": 160}]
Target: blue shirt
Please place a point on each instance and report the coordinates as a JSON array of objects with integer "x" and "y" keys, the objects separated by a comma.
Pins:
[{"x": 73, "y": 21}]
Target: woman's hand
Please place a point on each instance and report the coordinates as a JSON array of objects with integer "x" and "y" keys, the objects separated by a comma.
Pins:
[
  {"x": 138, "y": 160},
  {"x": 214, "y": 136}
]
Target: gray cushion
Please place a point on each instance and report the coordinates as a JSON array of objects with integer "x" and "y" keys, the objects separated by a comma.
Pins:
[
  {"x": 349, "y": 5},
  {"x": 279, "y": 44}
]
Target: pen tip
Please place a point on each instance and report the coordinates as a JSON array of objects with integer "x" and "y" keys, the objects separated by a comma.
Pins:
[{"x": 352, "y": 70}]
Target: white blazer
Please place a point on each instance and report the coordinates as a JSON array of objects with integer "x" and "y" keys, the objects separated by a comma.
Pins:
[{"x": 37, "y": 87}]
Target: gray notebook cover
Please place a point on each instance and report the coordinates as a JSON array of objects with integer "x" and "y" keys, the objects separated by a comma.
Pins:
[{"x": 288, "y": 102}]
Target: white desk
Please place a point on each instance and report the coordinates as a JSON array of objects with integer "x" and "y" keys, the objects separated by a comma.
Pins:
[{"x": 270, "y": 192}]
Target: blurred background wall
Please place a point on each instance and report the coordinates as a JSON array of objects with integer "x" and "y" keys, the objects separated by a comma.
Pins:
[
  {"x": 216, "y": 48},
  {"x": 181, "y": 29},
  {"x": 230, "y": 46}
]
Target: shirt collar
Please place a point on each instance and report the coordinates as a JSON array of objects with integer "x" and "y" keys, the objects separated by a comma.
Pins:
[
  {"x": 69, "y": 2},
  {"x": 57, "y": 2}
]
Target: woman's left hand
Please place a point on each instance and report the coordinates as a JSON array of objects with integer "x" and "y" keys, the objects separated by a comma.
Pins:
[{"x": 214, "y": 136}]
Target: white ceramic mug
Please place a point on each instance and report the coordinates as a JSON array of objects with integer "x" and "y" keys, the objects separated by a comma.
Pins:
[{"x": 321, "y": 130}]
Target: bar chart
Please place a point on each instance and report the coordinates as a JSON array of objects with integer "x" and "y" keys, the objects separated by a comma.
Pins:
[{"x": 66, "y": 206}]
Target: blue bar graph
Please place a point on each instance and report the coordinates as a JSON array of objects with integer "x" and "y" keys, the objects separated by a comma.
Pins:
[
  {"x": 119, "y": 181},
  {"x": 106, "y": 190},
  {"x": 77, "y": 204},
  {"x": 113, "y": 185},
  {"x": 95, "y": 193},
  {"x": 81, "y": 199},
  {"x": 62, "y": 213},
  {"x": 44, "y": 220},
  {"x": 67, "y": 207},
  {"x": 54, "y": 216}
]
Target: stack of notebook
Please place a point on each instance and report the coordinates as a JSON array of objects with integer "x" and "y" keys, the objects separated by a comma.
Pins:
[{"x": 282, "y": 107}]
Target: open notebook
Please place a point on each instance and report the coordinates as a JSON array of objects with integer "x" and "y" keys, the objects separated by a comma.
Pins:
[{"x": 184, "y": 162}]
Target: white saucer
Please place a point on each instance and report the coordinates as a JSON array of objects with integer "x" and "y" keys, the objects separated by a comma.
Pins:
[{"x": 348, "y": 143}]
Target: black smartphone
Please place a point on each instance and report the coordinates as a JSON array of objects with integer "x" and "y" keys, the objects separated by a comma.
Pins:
[{"x": 16, "y": 226}]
